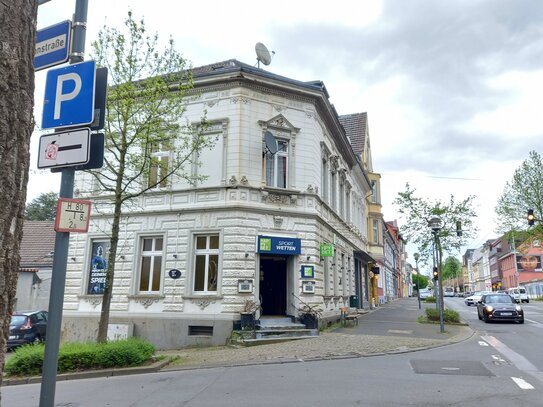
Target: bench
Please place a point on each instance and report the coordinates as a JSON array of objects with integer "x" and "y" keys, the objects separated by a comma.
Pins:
[{"x": 348, "y": 317}]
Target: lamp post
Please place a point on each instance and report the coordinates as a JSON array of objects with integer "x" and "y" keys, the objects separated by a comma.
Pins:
[
  {"x": 435, "y": 224},
  {"x": 417, "y": 256}
]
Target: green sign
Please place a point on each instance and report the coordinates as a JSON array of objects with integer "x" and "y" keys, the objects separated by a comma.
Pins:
[
  {"x": 307, "y": 272},
  {"x": 265, "y": 245},
  {"x": 327, "y": 250}
]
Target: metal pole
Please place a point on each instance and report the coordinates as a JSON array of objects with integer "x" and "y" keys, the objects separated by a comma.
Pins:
[
  {"x": 418, "y": 279},
  {"x": 62, "y": 241},
  {"x": 440, "y": 285}
]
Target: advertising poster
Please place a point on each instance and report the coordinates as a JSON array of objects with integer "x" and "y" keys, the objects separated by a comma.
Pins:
[
  {"x": 529, "y": 262},
  {"x": 98, "y": 266}
]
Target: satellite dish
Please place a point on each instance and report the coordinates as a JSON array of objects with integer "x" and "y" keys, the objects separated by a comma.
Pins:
[
  {"x": 262, "y": 54},
  {"x": 271, "y": 143}
]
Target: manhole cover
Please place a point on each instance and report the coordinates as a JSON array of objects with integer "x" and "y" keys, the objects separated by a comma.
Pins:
[{"x": 450, "y": 367}]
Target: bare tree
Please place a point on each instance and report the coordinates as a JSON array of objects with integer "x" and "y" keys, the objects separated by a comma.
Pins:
[
  {"x": 17, "y": 39},
  {"x": 146, "y": 141}
]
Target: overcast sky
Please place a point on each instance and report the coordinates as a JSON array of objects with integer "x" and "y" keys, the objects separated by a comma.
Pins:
[{"x": 452, "y": 88}]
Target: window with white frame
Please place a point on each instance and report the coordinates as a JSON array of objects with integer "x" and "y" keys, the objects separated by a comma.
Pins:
[
  {"x": 374, "y": 192},
  {"x": 375, "y": 231},
  {"x": 277, "y": 165},
  {"x": 151, "y": 264},
  {"x": 348, "y": 203},
  {"x": 206, "y": 263},
  {"x": 324, "y": 180},
  {"x": 159, "y": 165},
  {"x": 333, "y": 192},
  {"x": 341, "y": 196}
]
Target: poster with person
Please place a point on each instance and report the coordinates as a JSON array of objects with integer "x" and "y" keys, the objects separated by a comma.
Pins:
[{"x": 98, "y": 267}]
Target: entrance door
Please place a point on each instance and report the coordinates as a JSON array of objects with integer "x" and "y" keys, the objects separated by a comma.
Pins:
[{"x": 273, "y": 285}]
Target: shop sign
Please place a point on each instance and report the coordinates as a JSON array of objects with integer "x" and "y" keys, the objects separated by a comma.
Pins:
[
  {"x": 327, "y": 250},
  {"x": 307, "y": 272},
  {"x": 279, "y": 245}
]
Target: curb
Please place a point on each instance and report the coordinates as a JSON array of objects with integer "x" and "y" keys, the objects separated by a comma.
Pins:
[{"x": 125, "y": 371}]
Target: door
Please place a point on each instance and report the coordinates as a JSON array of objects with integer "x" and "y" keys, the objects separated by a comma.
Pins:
[{"x": 273, "y": 285}]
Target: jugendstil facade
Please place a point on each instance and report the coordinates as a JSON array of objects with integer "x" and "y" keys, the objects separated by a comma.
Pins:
[{"x": 282, "y": 180}]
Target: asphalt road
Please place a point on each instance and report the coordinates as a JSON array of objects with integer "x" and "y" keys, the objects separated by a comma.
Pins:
[{"x": 500, "y": 365}]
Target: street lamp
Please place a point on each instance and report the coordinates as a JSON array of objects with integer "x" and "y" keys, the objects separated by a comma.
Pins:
[
  {"x": 417, "y": 256},
  {"x": 436, "y": 224}
]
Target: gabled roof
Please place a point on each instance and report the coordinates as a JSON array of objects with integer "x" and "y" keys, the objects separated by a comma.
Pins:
[
  {"x": 355, "y": 126},
  {"x": 37, "y": 245}
]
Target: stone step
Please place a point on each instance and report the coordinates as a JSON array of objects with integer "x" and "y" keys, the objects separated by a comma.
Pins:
[
  {"x": 285, "y": 333},
  {"x": 280, "y": 326},
  {"x": 274, "y": 339}
]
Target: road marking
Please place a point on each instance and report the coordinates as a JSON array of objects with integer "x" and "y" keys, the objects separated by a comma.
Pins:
[
  {"x": 483, "y": 343},
  {"x": 523, "y": 384},
  {"x": 517, "y": 359},
  {"x": 399, "y": 331},
  {"x": 450, "y": 368},
  {"x": 537, "y": 324},
  {"x": 498, "y": 358}
]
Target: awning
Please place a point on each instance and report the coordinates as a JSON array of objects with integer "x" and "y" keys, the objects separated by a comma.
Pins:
[{"x": 364, "y": 256}]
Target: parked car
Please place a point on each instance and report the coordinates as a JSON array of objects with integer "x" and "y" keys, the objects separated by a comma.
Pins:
[
  {"x": 448, "y": 292},
  {"x": 474, "y": 298},
  {"x": 499, "y": 307},
  {"x": 27, "y": 327},
  {"x": 519, "y": 294}
]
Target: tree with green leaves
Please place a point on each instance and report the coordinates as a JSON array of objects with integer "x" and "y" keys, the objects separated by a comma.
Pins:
[
  {"x": 147, "y": 142},
  {"x": 417, "y": 213},
  {"x": 44, "y": 207},
  {"x": 452, "y": 268},
  {"x": 420, "y": 281},
  {"x": 523, "y": 192}
]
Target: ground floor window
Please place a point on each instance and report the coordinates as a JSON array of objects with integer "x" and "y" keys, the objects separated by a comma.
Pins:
[
  {"x": 206, "y": 263},
  {"x": 151, "y": 264}
]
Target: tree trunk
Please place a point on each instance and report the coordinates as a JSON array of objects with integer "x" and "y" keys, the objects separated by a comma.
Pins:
[{"x": 17, "y": 39}]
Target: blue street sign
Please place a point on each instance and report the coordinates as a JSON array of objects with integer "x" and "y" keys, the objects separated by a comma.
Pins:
[
  {"x": 52, "y": 45},
  {"x": 69, "y": 96}
]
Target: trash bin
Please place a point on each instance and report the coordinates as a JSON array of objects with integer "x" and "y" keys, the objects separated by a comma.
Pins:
[{"x": 354, "y": 301}]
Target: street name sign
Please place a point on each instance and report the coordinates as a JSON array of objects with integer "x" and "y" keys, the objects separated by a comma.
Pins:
[
  {"x": 73, "y": 215},
  {"x": 69, "y": 96},
  {"x": 52, "y": 45},
  {"x": 64, "y": 149}
]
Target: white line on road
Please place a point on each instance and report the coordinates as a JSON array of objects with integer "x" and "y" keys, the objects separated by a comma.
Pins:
[
  {"x": 483, "y": 343},
  {"x": 523, "y": 384},
  {"x": 498, "y": 358},
  {"x": 537, "y": 324},
  {"x": 450, "y": 368},
  {"x": 516, "y": 358}
]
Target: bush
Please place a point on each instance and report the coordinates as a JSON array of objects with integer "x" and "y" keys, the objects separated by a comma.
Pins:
[
  {"x": 430, "y": 299},
  {"x": 28, "y": 360},
  {"x": 432, "y": 314}
]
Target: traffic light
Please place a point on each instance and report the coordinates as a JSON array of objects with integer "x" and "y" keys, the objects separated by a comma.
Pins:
[
  {"x": 530, "y": 216},
  {"x": 435, "y": 273},
  {"x": 458, "y": 228}
]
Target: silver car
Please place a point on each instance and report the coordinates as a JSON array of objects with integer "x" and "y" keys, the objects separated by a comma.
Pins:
[{"x": 474, "y": 298}]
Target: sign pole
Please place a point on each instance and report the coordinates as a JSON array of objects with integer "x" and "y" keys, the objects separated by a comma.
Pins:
[{"x": 62, "y": 240}]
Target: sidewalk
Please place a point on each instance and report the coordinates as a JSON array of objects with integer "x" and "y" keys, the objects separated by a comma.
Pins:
[{"x": 390, "y": 328}]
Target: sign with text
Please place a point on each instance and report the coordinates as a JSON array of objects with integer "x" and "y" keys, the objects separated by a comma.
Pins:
[
  {"x": 73, "y": 215},
  {"x": 327, "y": 250},
  {"x": 52, "y": 45},
  {"x": 279, "y": 245},
  {"x": 307, "y": 272},
  {"x": 98, "y": 267}
]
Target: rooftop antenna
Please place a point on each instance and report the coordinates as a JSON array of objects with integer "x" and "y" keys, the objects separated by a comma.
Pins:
[{"x": 262, "y": 54}]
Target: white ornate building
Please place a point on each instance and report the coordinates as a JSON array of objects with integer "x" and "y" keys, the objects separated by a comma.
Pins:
[{"x": 190, "y": 255}]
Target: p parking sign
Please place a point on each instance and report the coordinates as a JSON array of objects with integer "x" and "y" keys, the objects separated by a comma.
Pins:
[{"x": 69, "y": 96}]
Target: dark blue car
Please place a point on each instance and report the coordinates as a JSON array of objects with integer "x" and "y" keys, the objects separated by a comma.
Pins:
[{"x": 27, "y": 327}]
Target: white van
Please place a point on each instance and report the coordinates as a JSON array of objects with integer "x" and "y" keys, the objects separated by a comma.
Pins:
[{"x": 519, "y": 294}]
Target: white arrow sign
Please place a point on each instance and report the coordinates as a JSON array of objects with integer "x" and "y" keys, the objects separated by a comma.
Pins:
[{"x": 64, "y": 149}]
